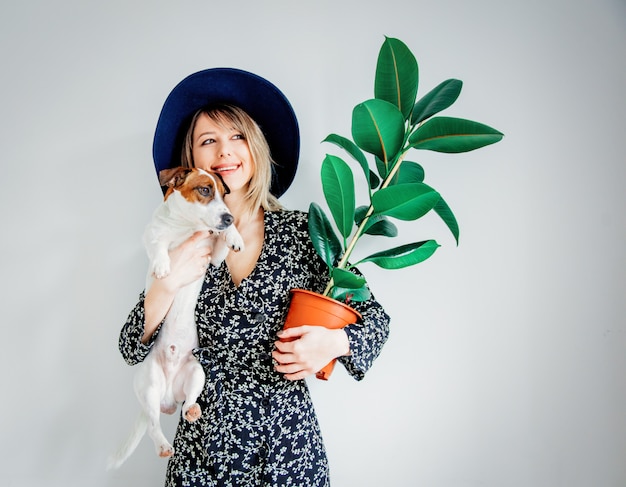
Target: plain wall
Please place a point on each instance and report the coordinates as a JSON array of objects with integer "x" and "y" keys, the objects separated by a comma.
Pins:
[{"x": 506, "y": 362}]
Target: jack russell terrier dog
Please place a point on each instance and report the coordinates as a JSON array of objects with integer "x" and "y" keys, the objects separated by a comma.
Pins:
[{"x": 170, "y": 374}]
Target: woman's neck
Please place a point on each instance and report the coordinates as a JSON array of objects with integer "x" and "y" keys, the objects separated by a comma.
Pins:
[
  {"x": 252, "y": 229},
  {"x": 240, "y": 210}
]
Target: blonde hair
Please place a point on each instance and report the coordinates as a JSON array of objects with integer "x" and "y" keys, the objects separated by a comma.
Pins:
[{"x": 229, "y": 116}]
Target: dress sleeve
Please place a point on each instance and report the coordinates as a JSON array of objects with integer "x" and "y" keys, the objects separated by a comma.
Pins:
[
  {"x": 130, "y": 345},
  {"x": 366, "y": 337}
]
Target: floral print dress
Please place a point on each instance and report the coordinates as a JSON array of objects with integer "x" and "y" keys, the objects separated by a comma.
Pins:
[{"x": 256, "y": 428}]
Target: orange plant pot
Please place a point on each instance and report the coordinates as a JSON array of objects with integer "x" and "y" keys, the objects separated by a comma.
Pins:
[{"x": 309, "y": 308}]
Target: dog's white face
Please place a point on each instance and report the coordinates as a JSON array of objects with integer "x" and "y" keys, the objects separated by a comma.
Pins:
[{"x": 199, "y": 193}]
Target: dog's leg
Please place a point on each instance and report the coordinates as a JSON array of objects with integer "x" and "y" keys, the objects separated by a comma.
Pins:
[
  {"x": 233, "y": 239},
  {"x": 163, "y": 447},
  {"x": 190, "y": 384},
  {"x": 150, "y": 384},
  {"x": 160, "y": 260},
  {"x": 219, "y": 252}
]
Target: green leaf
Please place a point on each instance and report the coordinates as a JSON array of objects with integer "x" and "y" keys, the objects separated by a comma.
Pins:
[
  {"x": 443, "y": 210},
  {"x": 348, "y": 286},
  {"x": 378, "y": 128},
  {"x": 382, "y": 167},
  {"x": 323, "y": 237},
  {"x": 376, "y": 225},
  {"x": 381, "y": 226},
  {"x": 347, "y": 279},
  {"x": 350, "y": 294},
  {"x": 405, "y": 201},
  {"x": 436, "y": 100},
  {"x": 338, "y": 187},
  {"x": 404, "y": 255},
  {"x": 397, "y": 76},
  {"x": 452, "y": 135},
  {"x": 359, "y": 214},
  {"x": 409, "y": 172},
  {"x": 352, "y": 149}
]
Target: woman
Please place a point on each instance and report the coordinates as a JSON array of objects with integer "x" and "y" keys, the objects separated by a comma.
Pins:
[{"x": 258, "y": 426}]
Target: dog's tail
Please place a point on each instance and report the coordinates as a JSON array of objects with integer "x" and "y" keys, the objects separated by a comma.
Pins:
[{"x": 128, "y": 447}]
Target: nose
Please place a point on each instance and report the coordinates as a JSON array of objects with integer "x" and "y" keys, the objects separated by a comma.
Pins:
[
  {"x": 227, "y": 219},
  {"x": 224, "y": 151}
]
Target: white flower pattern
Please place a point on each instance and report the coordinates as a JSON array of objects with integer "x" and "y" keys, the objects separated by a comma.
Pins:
[{"x": 257, "y": 428}]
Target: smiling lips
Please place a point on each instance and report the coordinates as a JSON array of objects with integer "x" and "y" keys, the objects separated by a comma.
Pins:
[{"x": 226, "y": 168}]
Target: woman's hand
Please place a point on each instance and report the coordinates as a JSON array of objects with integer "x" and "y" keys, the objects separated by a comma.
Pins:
[
  {"x": 188, "y": 262},
  {"x": 311, "y": 349}
]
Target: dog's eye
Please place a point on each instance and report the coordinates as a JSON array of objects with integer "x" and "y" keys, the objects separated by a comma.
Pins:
[{"x": 204, "y": 190}]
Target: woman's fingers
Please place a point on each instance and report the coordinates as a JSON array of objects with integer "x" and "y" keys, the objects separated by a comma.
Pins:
[
  {"x": 307, "y": 350},
  {"x": 289, "y": 334},
  {"x": 285, "y": 363},
  {"x": 190, "y": 259}
]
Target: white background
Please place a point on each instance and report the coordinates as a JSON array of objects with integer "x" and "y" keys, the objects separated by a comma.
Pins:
[{"x": 506, "y": 362}]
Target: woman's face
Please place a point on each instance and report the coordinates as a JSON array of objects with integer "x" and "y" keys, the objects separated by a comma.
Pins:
[{"x": 224, "y": 151}]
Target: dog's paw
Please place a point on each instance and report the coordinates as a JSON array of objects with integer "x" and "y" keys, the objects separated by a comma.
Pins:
[
  {"x": 234, "y": 241},
  {"x": 165, "y": 450},
  {"x": 161, "y": 268},
  {"x": 193, "y": 413}
]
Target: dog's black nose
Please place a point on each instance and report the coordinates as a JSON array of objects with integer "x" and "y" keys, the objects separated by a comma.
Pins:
[{"x": 227, "y": 219}]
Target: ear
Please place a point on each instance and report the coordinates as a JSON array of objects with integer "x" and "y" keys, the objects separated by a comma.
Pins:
[
  {"x": 173, "y": 176},
  {"x": 221, "y": 181}
]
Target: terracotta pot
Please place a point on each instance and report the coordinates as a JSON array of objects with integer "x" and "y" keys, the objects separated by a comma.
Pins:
[{"x": 309, "y": 308}]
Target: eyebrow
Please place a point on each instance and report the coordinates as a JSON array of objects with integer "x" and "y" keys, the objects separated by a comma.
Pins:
[{"x": 208, "y": 132}]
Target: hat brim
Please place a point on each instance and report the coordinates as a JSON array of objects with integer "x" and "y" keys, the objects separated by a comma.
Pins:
[{"x": 259, "y": 98}]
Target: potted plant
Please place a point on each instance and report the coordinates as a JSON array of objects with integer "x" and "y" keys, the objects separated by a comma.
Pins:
[{"x": 386, "y": 127}]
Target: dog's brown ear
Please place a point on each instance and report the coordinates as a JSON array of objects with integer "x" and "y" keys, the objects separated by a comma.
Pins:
[
  {"x": 221, "y": 181},
  {"x": 173, "y": 176}
]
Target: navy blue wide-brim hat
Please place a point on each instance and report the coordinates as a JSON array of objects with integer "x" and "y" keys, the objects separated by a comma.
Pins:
[{"x": 259, "y": 98}]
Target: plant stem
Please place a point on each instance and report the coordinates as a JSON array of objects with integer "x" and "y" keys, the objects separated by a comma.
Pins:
[{"x": 359, "y": 232}]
